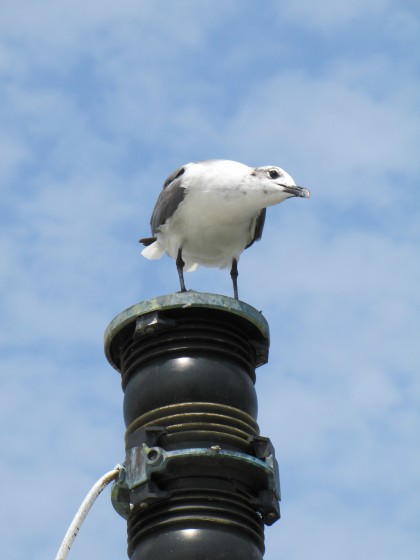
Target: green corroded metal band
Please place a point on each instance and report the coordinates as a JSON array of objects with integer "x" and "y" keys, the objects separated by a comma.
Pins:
[
  {"x": 188, "y": 299},
  {"x": 143, "y": 461}
]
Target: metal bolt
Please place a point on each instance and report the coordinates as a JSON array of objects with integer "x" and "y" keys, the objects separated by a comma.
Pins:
[{"x": 154, "y": 456}]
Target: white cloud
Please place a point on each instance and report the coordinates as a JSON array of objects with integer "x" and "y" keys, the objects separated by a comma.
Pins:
[
  {"x": 330, "y": 16},
  {"x": 348, "y": 143},
  {"x": 12, "y": 155},
  {"x": 356, "y": 534},
  {"x": 96, "y": 113},
  {"x": 77, "y": 29},
  {"x": 54, "y": 447}
]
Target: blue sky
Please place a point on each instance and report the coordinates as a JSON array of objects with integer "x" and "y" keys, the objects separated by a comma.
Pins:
[{"x": 99, "y": 102}]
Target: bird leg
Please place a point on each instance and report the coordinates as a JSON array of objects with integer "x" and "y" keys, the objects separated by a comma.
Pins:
[
  {"x": 234, "y": 275},
  {"x": 180, "y": 268}
]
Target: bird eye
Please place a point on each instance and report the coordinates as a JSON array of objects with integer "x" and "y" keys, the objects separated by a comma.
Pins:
[{"x": 273, "y": 173}]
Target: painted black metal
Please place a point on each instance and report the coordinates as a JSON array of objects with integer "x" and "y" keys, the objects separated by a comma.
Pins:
[{"x": 201, "y": 481}]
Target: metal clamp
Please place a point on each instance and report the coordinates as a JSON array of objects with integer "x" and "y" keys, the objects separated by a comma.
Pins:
[{"x": 142, "y": 462}]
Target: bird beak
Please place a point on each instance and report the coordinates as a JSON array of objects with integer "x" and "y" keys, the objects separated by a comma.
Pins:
[{"x": 296, "y": 191}]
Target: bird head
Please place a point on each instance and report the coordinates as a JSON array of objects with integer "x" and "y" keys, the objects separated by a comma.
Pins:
[{"x": 276, "y": 184}]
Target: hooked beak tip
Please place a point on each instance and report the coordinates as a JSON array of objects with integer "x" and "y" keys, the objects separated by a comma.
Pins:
[{"x": 300, "y": 192}]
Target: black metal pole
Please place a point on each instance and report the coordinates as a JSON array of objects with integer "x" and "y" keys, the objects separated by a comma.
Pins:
[{"x": 199, "y": 482}]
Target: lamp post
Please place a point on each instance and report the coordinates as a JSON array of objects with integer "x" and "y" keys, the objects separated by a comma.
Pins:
[{"x": 199, "y": 481}]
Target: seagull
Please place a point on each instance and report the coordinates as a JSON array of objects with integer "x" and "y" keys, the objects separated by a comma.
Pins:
[{"x": 210, "y": 211}]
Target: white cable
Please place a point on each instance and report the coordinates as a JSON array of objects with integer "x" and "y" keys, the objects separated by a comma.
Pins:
[{"x": 84, "y": 510}]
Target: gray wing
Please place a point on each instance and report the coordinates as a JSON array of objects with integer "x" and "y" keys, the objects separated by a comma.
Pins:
[
  {"x": 259, "y": 226},
  {"x": 169, "y": 199}
]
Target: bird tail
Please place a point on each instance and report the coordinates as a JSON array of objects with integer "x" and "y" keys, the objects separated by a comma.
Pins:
[{"x": 153, "y": 251}]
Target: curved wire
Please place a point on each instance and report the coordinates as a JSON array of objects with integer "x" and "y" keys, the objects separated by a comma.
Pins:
[{"x": 84, "y": 510}]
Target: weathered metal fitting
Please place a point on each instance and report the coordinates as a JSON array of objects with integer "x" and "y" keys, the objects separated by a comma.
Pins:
[
  {"x": 261, "y": 446},
  {"x": 151, "y": 322},
  {"x": 148, "y": 435},
  {"x": 144, "y": 462},
  {"x": 154, "y": 456},
  {"x": 120, "y": 494},
  {"x": 156, "y": 314}
]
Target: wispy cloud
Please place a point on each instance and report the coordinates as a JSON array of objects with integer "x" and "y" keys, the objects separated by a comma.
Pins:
[{"x": 100, "y": 101}]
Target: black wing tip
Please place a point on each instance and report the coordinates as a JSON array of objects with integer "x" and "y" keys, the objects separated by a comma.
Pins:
[
  {"x": 147, "y": 241},
  {"x": 259, "y": 226},
  {"x": 174, "y": 175}
]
